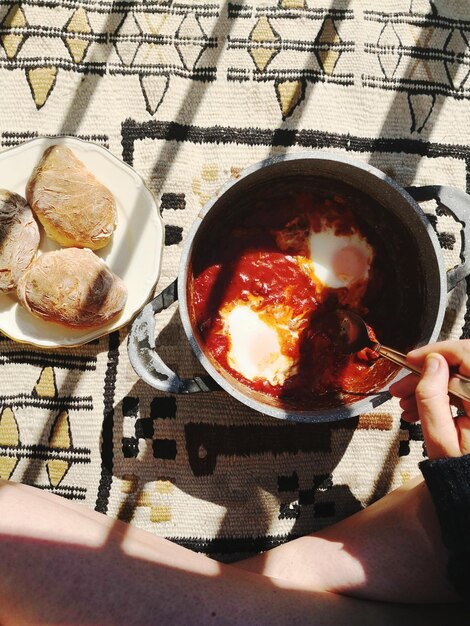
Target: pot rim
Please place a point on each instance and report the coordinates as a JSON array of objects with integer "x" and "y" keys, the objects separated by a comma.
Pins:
[{"x": 313, "y": 415}]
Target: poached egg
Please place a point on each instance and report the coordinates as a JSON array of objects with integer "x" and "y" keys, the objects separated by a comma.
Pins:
[
  {"x": 339, "y": 260},
  {"x": 255, "y": 346}
]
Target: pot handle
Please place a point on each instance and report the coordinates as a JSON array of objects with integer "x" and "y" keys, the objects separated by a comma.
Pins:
[
  {"x": 144, "y": 358},
  {"x": 458, "y": 203}
]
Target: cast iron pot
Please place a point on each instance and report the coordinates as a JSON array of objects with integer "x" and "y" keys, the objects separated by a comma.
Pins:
[{"x": 412, "y": 246}]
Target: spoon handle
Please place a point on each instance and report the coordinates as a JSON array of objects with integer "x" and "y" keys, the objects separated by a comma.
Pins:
[
  {"x": 458, "y": 385},
  {"x": 398, "y": 357}
]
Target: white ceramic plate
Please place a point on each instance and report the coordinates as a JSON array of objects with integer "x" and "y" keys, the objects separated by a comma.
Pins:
[{"x": 134, "y": 252}]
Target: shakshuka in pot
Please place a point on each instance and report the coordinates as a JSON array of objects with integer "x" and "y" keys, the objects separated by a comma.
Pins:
[
  {"x": 269, "y": 260},
  {"x": 265, "y": 283}
]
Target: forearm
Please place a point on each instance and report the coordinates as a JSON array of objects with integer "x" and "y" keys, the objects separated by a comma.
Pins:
[
  {"x": 60, "y": 563},
  {"x": 390, "y": 551}
]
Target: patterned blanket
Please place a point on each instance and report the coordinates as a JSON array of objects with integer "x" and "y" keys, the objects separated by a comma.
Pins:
[{"x": 189, "y": 93}]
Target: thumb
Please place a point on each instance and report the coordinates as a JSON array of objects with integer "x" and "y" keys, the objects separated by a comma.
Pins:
[{"x": 434, "y": 411}]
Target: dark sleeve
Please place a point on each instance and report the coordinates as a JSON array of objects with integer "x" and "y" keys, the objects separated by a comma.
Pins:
[{"x": 448, "y": 481}]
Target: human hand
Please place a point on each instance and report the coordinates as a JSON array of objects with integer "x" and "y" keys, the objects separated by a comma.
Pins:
[{"x": 426, "y": 398}]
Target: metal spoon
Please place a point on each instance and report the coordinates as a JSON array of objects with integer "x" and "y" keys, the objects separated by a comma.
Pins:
[{"x": 354, "y": 336}]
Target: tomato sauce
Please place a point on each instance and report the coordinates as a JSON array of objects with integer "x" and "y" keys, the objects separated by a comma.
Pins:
[{"x": 261, "y": 259}]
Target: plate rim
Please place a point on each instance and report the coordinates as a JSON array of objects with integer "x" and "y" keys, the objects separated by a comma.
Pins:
[{"x": 133, "y": 171}]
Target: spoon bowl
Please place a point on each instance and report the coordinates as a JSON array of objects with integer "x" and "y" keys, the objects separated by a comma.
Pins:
[{"x": 354, "y": 335}]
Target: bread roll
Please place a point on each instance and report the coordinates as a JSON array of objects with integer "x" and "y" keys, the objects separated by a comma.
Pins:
[
  {"x": 72, "y": 205},
  {"x": 19, "y": 238},
  {"x": 72, "y": 287}
]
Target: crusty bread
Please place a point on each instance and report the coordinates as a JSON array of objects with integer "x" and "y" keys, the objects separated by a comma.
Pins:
[
  {"x": 19, "y": 238},
  {"x": 72, "y": 287},
  {"x": 72, "y": 205}
]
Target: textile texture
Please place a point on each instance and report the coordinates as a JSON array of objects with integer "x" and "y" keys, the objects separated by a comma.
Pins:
[{"x": 189, "y": 93}]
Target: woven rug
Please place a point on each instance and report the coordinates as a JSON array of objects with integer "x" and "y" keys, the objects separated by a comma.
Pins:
[{"x": 189, "y": 93}]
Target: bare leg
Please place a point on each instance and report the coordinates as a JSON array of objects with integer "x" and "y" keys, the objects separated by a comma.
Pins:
[
  {"x": 391, "y": 551},
  {"x": 62, "y": 564}
]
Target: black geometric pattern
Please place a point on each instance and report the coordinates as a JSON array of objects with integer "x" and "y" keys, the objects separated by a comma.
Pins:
[
  {"x": 146, "y": 428},
  {"x": 305, "y": 497},
  {"x": 423, "y": 55},
  {"x": 409, "y": 432}
]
